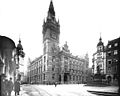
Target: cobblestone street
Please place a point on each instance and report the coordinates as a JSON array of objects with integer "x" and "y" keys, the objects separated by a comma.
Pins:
[{"x": 65, "y": 90}]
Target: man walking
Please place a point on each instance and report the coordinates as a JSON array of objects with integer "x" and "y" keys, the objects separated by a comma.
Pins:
[
  {"x": 17, "y": 87},
  {"x": 3, "y": 85},
  {"x": 10, "y": 87}
]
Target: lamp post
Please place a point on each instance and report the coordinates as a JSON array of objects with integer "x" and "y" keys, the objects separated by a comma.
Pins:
[{"x": 19, "y": 53}]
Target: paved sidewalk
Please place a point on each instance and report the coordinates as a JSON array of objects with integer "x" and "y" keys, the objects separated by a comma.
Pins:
[
  {"x": 107, "y": 91},
  {"x": 113, "y": 89}
]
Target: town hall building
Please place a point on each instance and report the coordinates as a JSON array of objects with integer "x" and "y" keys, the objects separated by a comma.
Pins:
[{"x": 56, "y": 64}]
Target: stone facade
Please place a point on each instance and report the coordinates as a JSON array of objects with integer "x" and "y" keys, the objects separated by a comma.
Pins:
[
  {"x": 108, "y": 56},
  {"x": 56, "y": 64},
  {"x": 113, "y": 59}
]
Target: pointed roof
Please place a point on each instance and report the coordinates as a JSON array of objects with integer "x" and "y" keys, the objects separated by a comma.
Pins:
[
  {"x": 100, "y": 41},
  {"x": 19, "y": 41},
  {"x": 51, "y": 9},
  {"x": 19, "y": 46}
]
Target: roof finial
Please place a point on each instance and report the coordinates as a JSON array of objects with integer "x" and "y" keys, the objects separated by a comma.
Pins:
[
  {"x": 19, "y": 39},
  {"x": 66, "y": 42},
  {"x": 100, "y": 37}
]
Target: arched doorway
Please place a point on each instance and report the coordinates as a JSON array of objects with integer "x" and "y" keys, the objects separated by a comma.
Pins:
[{"x": 109, "y": 79}]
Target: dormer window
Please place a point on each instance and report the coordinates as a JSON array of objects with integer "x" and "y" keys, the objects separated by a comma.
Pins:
[
  {"x": 116, "y": 44},
  {"x": 109, "y": 46}
]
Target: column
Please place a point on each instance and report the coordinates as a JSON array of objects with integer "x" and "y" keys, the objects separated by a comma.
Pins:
[{"x": 62, "y": 78}]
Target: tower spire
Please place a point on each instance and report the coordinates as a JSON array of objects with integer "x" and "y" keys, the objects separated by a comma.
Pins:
[
  {"x": 51, "y": 12},
  {"x": 100, "y": 41}
]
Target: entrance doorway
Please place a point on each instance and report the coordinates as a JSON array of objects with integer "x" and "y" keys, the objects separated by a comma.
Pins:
[{"x": 65, "y": 77}]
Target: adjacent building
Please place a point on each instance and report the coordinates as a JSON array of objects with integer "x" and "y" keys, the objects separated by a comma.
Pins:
[
  {"x": 56, "y": 64},
  {"x": 99, "y": 59},
  {"x": 108, "y": 59},
  {"x": 113, "y": 58},
  {"x": 7, "y": 51}
]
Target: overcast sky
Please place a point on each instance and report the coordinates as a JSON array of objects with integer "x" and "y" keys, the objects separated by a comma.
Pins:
[{"x": 81, "y": 22}]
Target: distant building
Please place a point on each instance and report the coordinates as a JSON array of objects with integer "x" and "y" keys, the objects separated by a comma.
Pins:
[
  {"x": 113, "y": 58},
  {"x": 56, "y": 64},
  {"x": 99, "y": 58},
  {"x": 35, "y": 71}
]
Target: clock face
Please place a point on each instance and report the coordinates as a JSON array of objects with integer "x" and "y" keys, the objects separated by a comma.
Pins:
[{"x": 53, "y": 35}]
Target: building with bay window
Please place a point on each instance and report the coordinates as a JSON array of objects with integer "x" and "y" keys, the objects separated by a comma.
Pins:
[{"x": 99, "y": 58}]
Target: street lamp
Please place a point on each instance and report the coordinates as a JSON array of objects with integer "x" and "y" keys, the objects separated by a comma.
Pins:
[{"x": 19, "y": 53}]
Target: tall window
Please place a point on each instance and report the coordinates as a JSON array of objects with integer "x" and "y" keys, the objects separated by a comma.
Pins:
[
  {"x": 39, "y": 70},
  {"x": 44, "y": 67},
  {"x": 73, "y": 78},
  {"x": 53, "y": 67},
  {"x": 109, "y": 62},
  {"x": 53, "y": 76},
  {"x": 44, "y": 76},
  {"x": 44, "y": 59},
  {"x": 109, "y": 53},
  {"x": 115, "y": 52}
]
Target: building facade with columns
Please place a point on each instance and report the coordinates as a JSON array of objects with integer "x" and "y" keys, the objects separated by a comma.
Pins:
[{"x": 56, "y": 64}]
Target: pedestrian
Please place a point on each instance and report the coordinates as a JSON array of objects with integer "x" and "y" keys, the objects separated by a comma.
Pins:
[
  {"x": 4, "y": 82},
  {"x": 6, "y": 86},
  {"x": 10, "y": 86},
  {"x": 17, "y": 87},
  {"x": 55, "y": 84}
]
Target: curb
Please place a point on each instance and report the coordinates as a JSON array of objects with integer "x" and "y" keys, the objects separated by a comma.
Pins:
[{"x": 103, "y": 93}]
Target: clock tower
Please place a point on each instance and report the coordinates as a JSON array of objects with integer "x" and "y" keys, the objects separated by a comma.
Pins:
[{"x": 51, "y": 32}]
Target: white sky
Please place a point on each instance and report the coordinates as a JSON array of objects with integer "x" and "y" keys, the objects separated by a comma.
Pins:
[{"x": 81, "y": 22}]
